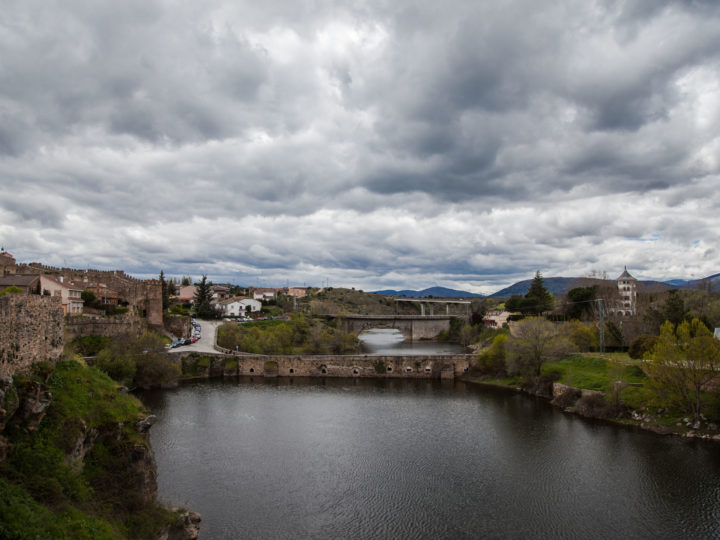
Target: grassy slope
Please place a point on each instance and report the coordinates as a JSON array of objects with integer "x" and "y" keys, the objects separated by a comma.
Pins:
[
  {"x": 598, "y": 371},
  {"x": 43, "y": 497}
]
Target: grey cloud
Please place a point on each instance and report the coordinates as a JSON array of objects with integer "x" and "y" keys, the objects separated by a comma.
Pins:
[{"x": 418, "y": 141}]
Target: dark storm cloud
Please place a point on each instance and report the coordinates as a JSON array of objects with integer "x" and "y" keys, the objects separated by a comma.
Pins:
[{"x": 387, "y": 141}]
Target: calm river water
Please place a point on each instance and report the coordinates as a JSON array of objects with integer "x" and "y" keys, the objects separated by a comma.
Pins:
[
  {"x": 386, "y": 341},
  {"x": 335, "y": 458}
]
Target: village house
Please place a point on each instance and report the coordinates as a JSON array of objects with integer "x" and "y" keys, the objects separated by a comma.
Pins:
[
  {"x": 186, "y": 293},
  {"x": 28, "y": 283},
  {"x": 297, "y": 292},
  {"x": 72, "y": 302},
  {"x": 496, "y": 318},
  {"x": 239, "y": 306},
  {"x": 265, "y": 293},
  {"x": 103, "y": 293},
  {"x": 218, "y": 294}
]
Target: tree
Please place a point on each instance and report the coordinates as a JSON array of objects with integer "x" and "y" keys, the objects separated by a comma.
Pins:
[
  {"x": 535, "y": 302},
  {"x": 185, "y": 281},
  {"x": 467, "y": 335},
  {"x": 165, "y": 292},
  {"x": 674, "y": 308},
  {"x": 88, "y": 297},
  {"x": 535, "y": 341},
  {"x": 172, "y": 287},
  {"x": 492, "y": 360},
  {"x": 543, "y": 300},
  {"x": 615, "y": 334},
  {"x": 580, "y": 302},
  {"x": 583, "y": 336},
  {"x": 685, "y": 359},
  {"x": 203, "y": 297}
]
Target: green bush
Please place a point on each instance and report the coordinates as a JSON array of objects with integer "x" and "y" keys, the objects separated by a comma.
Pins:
[
  {"x": 641, "y": 345},
  {"x": 156, "y": 370},
  {"x": 12, "y": 289},
  {"x": 492, "y": 360},
  {"x": 90, "y": 345},
  {"x": 121, "y": 368}
]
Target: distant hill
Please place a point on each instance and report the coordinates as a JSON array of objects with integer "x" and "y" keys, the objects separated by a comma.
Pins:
[
  {"x": 435, "y": 292},
  {"x": 561, "y": 285},
  {"x": 694, "y": 283},
  {"x": 554, "y": 285}
]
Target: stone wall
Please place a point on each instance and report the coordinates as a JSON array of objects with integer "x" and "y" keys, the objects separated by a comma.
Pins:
[
  {"x": 145, "y": 295},
  {"x": 31, "y": 330},
  {"x": 362, "y": 366},
  {"x": 177, "y": 325},
  {"x": 103, "y": 326}
]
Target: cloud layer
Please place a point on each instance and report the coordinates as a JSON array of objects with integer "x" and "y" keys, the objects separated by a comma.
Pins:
[{"x": 389, "y": 144}]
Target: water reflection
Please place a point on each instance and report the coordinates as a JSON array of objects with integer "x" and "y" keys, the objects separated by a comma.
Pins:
[
  {"x": 351, "y": 458},
  {"x": 389, "y": 341}
]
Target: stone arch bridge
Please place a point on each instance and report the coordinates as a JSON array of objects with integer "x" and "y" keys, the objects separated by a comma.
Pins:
[{"x": 412, "y": 327}]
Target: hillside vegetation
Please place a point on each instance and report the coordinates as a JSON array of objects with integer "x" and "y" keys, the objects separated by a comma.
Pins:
[{"x": 78, "y": 461}]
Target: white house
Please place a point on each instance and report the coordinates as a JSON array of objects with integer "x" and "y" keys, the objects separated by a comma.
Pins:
[
  {"x": 70, "y": 294},
  {"x": 238, "y": 306}
]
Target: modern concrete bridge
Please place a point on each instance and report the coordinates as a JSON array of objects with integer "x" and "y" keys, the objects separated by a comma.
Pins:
[{"x": 412, "y": 327}]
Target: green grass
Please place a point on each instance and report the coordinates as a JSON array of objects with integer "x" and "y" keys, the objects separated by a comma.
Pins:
[
  {"x": 592, "y": 373},
  {"x": 88, "y": 393},
  {"x": 22, "y": 517},
  {"x": 265, "y": 324}
]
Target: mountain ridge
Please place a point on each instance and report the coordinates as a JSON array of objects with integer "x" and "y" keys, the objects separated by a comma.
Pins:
[{"x": 555, "y": 285}]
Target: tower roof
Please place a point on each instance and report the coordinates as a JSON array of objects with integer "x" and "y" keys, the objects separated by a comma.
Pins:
[{"x": 625, "y": 275}]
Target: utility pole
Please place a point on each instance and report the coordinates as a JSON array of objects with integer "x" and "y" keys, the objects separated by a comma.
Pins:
[{"x": 602, "y": 324}]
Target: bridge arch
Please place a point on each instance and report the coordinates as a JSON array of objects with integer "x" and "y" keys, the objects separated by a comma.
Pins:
[{"x": 412, "y": 327}]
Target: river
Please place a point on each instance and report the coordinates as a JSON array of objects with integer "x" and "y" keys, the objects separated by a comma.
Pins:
[
  {"x": 351, "y": 458},
  {"x": 386, "y": 341}
]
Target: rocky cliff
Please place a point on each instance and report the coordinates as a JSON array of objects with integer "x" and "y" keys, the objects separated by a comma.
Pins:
[{"x": 76, "y": 452}]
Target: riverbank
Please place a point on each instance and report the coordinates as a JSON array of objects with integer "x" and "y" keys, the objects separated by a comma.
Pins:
[{"x": 566, "y": 398}]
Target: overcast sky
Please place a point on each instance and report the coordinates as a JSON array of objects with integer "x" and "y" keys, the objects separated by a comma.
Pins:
[{"x": 370, "y": 144}]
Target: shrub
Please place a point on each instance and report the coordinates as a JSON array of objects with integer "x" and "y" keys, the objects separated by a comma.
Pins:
[
  {"x": 120, "y": 368},
  {"x": 492, "y": 360},
  {"x": 584, "y": 337},
  {"x": 642, "y": 344},
  {"x": 90, "y": 345},
  {"x": 156, "y": 370},
  {"x": 595, "y": 406},
  {"x": 11, "y": 289}
]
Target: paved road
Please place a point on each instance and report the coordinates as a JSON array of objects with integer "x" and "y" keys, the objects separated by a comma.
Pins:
[{"x": 206, "y": 341}]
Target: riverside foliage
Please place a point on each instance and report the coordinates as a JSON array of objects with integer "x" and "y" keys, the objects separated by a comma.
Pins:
[{"x": 299, "y": 335}]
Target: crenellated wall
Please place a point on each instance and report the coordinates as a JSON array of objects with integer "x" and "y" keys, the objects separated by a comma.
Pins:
[
  {"x": 146, "y": 295},
  {"x": 31, "y": 330}
]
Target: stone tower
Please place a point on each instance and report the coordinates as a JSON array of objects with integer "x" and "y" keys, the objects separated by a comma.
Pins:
[{"x": 627, "y": 287}]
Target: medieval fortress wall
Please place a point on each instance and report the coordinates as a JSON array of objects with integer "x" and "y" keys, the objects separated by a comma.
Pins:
[
  {"x": 146, "y": 295},
  {"x": 31, "y": 330},
  {"x": 32, "y": 326}
]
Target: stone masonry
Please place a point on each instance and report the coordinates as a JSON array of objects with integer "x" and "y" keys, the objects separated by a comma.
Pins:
[{"x": 31, "y": 330}]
